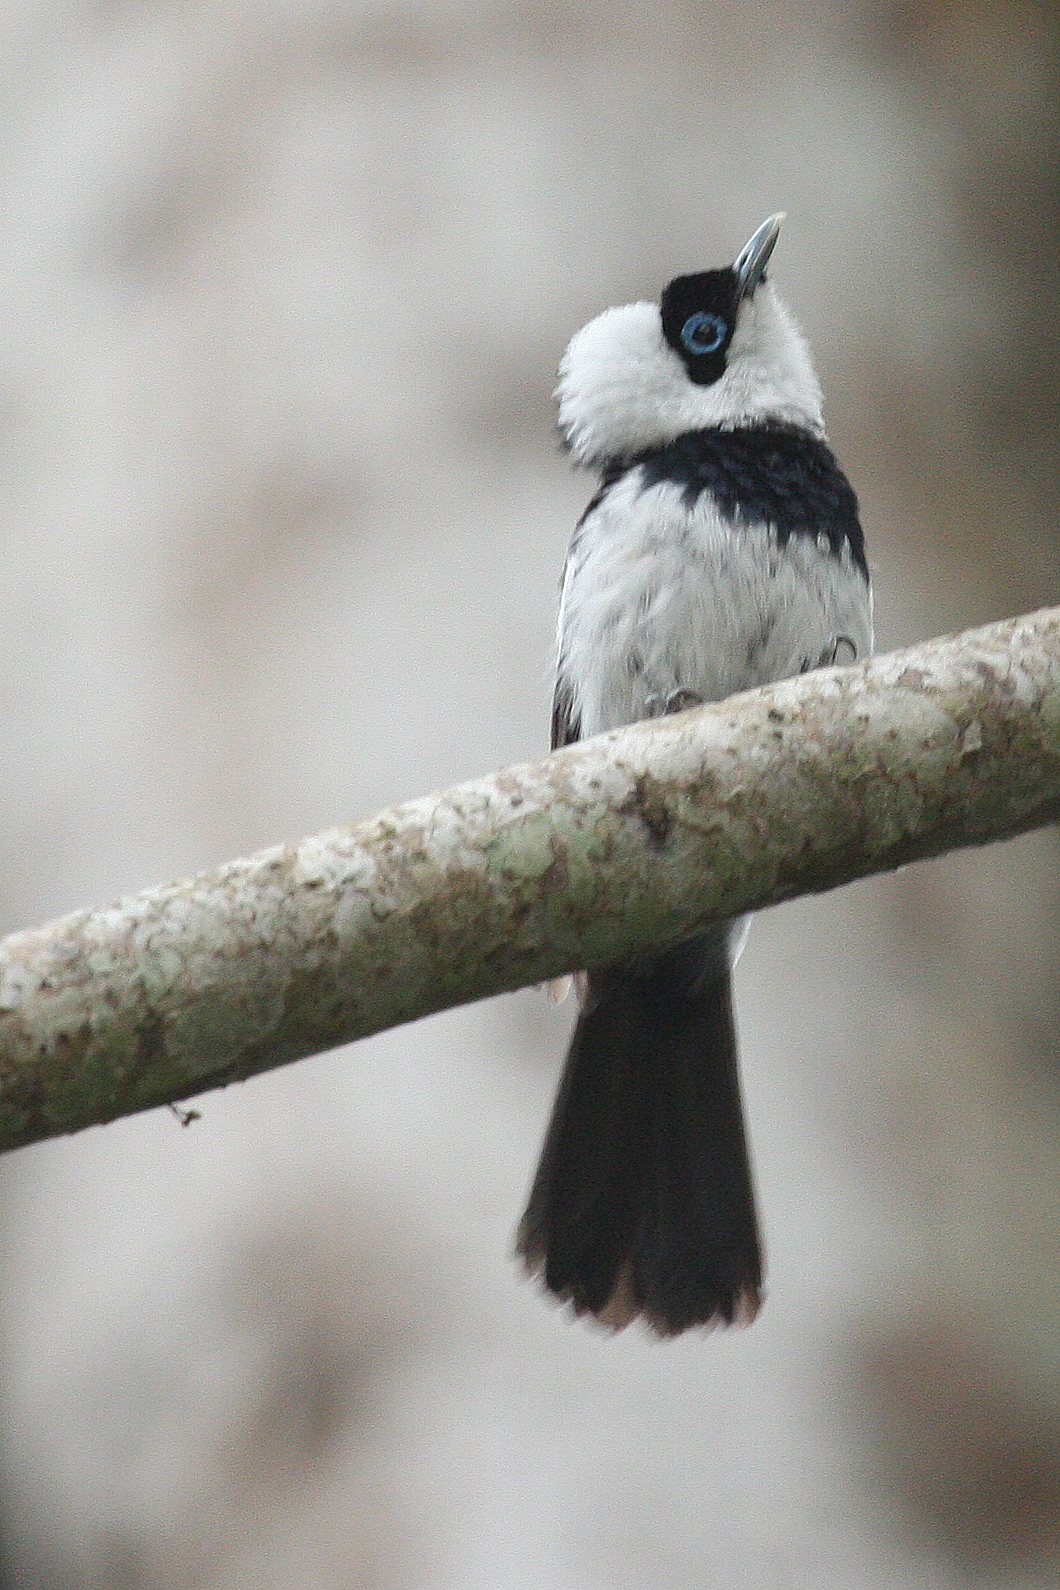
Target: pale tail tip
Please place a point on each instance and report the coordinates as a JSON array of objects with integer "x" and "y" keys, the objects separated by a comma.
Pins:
[{"x": 622, "y": 1308}]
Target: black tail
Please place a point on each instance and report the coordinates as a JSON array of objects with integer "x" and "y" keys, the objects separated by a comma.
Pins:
[{"x": 643, "y": 1202}]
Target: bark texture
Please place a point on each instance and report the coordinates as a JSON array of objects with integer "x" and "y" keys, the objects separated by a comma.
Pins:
[{"x": 615, "y": 845}]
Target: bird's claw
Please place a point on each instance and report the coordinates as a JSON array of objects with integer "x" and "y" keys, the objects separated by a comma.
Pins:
[
  {"x": 681, "y": 700},
  {"x": 839, "y": 650},
  {"x": 659, "y": 706}
]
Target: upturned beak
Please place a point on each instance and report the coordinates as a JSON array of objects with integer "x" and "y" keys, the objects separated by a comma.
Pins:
[{"x": 750, "y": 263}]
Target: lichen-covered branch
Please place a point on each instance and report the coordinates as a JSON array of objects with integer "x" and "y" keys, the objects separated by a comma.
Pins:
[{"x": 599, "y": 851}]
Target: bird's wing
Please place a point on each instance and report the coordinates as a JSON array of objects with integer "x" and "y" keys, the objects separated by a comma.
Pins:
[
  {"x": 566, "y": 727},
  {"x": 566, "y": 721}
]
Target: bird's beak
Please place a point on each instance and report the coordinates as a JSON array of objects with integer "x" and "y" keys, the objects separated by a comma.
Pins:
[{"x": 751, "y": 261}]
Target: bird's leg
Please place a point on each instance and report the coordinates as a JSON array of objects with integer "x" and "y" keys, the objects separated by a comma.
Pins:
[
  {"x": 659, "y": 706},
  {"x": 840, "y": 649},
  {"x": 681, "y": 700}
]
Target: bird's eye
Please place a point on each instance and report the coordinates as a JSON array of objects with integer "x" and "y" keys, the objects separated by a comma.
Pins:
[{"x": 704, "y": 332}]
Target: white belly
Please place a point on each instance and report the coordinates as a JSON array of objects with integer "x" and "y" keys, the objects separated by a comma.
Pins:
[{"x": 660, "y": 598}]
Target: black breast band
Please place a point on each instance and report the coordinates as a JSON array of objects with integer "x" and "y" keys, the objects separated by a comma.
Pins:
[{"x": 774, "y": 474}]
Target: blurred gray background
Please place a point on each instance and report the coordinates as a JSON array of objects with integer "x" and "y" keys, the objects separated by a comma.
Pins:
[{"x": 284, "y": 285}]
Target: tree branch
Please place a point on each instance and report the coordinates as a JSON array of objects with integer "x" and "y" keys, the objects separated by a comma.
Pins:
[{"x": 603, "y": 850}]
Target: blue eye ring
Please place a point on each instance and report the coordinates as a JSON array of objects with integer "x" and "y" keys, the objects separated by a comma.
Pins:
[{"x": 704, "y": 332}]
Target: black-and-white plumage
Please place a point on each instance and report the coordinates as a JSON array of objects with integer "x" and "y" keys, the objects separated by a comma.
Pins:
[{"x": 721, "y": 551}]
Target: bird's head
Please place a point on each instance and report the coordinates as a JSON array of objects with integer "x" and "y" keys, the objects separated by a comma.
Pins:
[{"x": 719, "y": 349}]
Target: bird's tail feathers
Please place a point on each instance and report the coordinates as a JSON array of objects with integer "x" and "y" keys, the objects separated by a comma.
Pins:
[{"x": 643, "y": 1203}]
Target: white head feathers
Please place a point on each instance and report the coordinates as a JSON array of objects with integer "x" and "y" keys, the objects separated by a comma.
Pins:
[{"x": 624, "y": 390}]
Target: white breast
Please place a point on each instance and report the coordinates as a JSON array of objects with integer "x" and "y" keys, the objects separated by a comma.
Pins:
[{"x": 660, "y": 598}]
